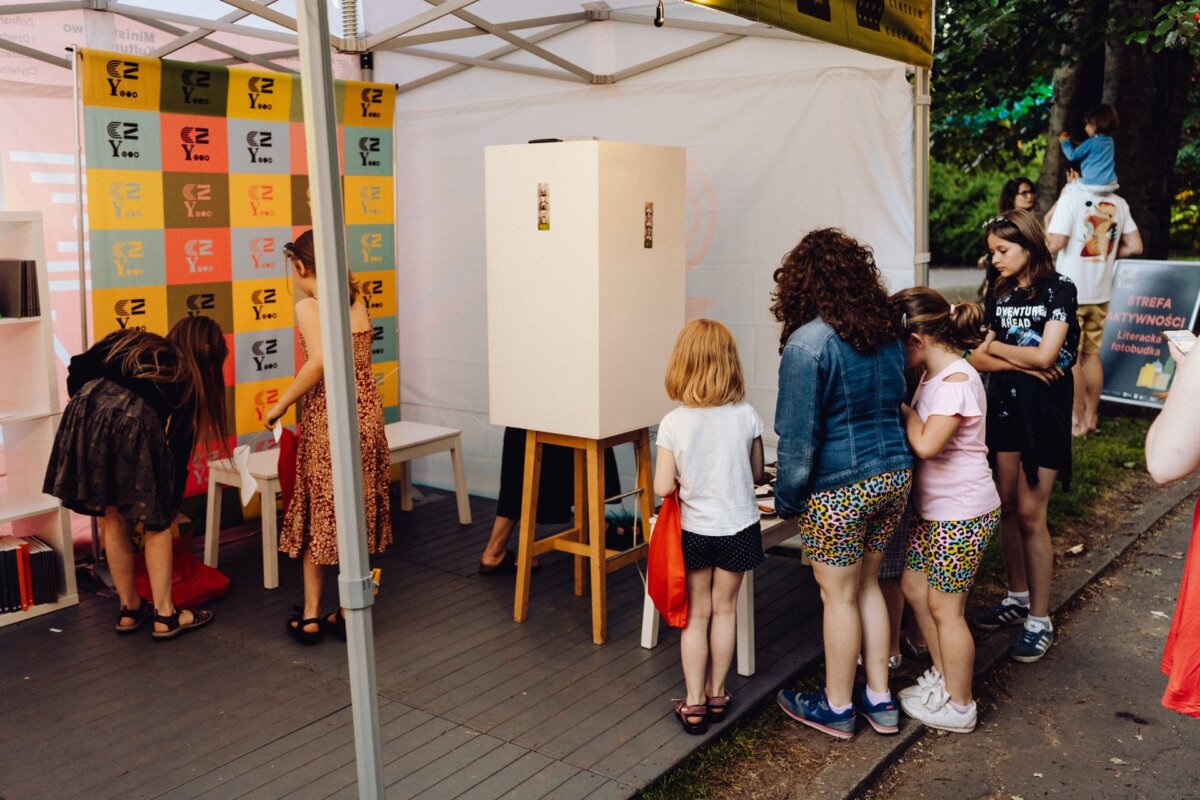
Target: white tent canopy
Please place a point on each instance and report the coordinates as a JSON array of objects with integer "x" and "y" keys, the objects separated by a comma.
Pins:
[{"x": 783, "y": 133}]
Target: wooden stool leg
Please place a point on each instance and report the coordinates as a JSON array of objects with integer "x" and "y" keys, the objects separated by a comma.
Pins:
[
  {"x": 405, "y": 487},
  {"x": 212, "y": 523},
  {"x": 598, "y": 557},
  {"x": 270, "y": 533},
  {"x": 581, "y": 519},
  {"x": 529, "y": 499},
  {"x": 460, "y": 482},
  {"x": 745, "y": 626},
  {"x": 645, "y": 480}
]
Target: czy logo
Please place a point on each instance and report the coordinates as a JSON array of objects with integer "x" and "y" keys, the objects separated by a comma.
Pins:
[
  {"x": 258, "y": 87},
  {"x": 264, "y": 400},
  {"x": 376, "y": 336},
  {"x": 198, "y": 253},
  {"x": 130, "y": 307},
  {"x": 118, "y": 73},
  {"x": 261, "y": 196},
  {"x": 204, "y": 301},
  {"x": 263, "y": 352},
  {"x": 370, "y": 99},
  {"x": 262, "y": 252},
  {"x": 259, "y": 141},
  {"x": 118, "y": 134},
  {"x": 123, "y": 195},
  {"x": 193, "y": 195},
  {"x": 261, "y": 298},
  {"x": 193, "y": 79},
  {"x": 125, "y": 252},
  {"x": 368, "y": 151},
  {"x": 191, "y": 137},
  {"x": 370, "y": 196},
  {"x": 372, "y": 247},
  {"x": 371, "y": 291}
]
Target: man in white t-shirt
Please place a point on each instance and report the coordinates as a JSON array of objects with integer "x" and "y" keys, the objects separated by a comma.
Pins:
[{"x": 1089, "y": 231}]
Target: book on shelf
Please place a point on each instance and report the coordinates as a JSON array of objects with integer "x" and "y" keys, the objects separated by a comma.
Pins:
[
  {"x": 28, "y": 573},
  {"x": 19, "y": 289}
]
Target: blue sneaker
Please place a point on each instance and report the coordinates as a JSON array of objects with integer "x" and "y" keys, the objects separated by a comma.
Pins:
[
  {"x": 1032, "y": 645},
  {"x": 813, "y": 710},
  {"x": 883, "y": 717},
  {"x": 1006, "y": 612}
]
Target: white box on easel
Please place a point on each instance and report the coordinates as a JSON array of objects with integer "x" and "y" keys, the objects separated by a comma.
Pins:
[{"x": 585, "y": 274}]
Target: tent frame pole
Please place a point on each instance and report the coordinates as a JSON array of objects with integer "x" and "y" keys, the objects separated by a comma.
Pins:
[
  {"x": 333, "y": 298},
  {"x": 921, "y": 103}
]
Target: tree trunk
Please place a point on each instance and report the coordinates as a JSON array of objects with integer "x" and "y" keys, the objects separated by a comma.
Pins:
[
  {"x": 1149, "y": 91},
  {"x": 1078, "y": 85}
]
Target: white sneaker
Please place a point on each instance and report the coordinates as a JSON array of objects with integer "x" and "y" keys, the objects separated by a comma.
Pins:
[
  {"x": 929, "y": 679},
  {"x": 937, "y": 712}
]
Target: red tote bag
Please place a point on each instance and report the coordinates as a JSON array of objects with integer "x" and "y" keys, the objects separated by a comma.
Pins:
[{"x": 666, "y": 574}]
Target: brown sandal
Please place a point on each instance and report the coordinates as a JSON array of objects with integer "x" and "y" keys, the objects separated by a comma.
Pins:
[
  {"x": 175, "y": 628},
  {"x": 718, "y": 706},
  {"x": 687, "y": 713},
  {"x": 139, "y": 615}
]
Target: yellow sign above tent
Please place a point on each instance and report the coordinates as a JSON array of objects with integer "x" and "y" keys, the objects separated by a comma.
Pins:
[{"x": 898, "y": 29}]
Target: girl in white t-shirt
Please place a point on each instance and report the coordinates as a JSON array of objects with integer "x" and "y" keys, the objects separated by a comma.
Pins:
[
  {"x": 956, "y": 501},
  {"x": 710, "y": 448}
]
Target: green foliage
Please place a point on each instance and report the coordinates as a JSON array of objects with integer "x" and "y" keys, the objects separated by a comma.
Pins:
[
  {"x": 960, "y": 200},
  {"x": 1176, "y": 25},
  {"x": 993, "y": 65}
]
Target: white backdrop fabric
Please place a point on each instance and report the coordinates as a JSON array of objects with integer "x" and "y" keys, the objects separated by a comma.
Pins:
[{"x": 782, "y": 137}]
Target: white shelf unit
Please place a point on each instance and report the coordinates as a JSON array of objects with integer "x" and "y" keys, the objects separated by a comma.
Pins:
[{"x": 29, "y": 414}]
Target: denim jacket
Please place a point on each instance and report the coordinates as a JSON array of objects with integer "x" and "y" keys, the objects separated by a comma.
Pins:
[{"x": 837, "y": 415}]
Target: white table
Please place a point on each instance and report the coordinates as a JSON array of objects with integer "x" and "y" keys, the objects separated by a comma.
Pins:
[
  {"x": 406, "y": 441},
  {"x": 774, "y": 531}
]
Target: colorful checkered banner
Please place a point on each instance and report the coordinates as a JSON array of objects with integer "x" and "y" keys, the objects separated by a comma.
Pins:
[
  {"x": 901, "y": 30},
  {"x": 196, "y": 177}
]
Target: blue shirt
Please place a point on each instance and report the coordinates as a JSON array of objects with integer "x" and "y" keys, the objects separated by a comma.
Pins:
[
  {"x": 837, "y": 416},
  {"x": 1097, "y": 158}
]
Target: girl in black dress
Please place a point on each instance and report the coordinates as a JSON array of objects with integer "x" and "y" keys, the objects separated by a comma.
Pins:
[
  {"x": 140, "y": 405},
  {"x": 1030, "y": 348}
]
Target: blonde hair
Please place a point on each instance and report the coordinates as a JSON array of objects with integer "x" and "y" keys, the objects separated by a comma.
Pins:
[{"x": 704, "y": 370}]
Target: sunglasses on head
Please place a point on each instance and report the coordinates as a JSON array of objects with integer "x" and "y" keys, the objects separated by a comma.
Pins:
[{"x": 1027, "y": 192}]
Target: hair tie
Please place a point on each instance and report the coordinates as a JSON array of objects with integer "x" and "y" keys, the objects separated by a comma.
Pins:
[{"x": 952, "y": 307}]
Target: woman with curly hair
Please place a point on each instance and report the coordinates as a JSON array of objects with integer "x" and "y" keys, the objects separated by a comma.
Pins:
[{"x": 844, "y": 467}]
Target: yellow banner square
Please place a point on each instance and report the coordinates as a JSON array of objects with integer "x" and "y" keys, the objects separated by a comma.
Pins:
[
  {"x": 369, "y": 105},
  {"x": 389, "y": 389},
  {"x": 262, "y": 305},
  {"x": 259, "y": 95},
  {"x": 118, "y": 80},
  {"x": 133, "y": 307},
  {"x": 121, "y": 199},
  {"x": 369, "y": 200},
  {"x": 378, "y": 290},
  {"x": 254, "y": 400},
  {"x": 260, "y": 201}
]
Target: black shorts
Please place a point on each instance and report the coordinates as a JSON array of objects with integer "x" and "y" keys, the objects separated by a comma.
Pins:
[{"x": 741, "y": 552}]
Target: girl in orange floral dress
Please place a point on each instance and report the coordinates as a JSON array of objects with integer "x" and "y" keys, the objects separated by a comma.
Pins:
[{"x": 309, "y": 530}]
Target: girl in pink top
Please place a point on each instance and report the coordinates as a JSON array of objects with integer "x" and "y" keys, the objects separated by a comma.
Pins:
[{"x": 956, "y": 502}]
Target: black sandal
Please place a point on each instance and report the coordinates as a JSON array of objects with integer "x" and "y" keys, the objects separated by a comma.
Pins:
[
  {"x": 506, "y": 565},
  {"x": 175, "y": 628},
  {"x": 686, "y": 713},
  {"x": 296, "y": 625},
  {"x": 718, "y": 706},
  {"x": 139, "y": 615},
  {"x": 334, "y": 624}
]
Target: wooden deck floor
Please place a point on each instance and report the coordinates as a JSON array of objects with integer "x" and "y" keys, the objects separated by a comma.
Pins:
[{"x": 471, "y": 705}]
